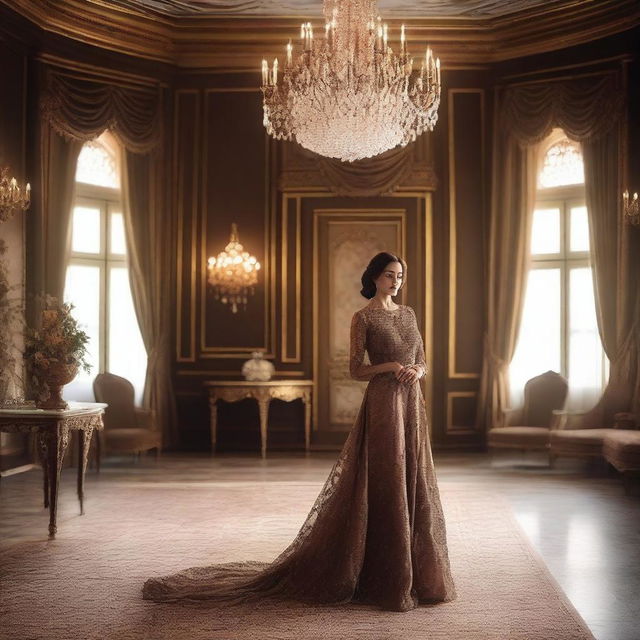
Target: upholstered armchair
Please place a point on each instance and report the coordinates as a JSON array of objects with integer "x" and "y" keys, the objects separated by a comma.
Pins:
[
  {"x": 127, "y": 428},
  {"x": 582, "y": 434},
  {"x": 528, "y": 427}
]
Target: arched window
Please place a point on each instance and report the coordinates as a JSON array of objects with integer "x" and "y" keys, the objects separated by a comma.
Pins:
[
  {"x": 559, "y": 329},
  {"x": 97, "y": 279}
]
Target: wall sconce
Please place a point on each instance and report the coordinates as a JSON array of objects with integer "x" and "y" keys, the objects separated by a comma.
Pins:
[
  {"x": 12, "y": 196},
  {"x": 631, "y": 208},
  {"x": 233, "y": 273}
]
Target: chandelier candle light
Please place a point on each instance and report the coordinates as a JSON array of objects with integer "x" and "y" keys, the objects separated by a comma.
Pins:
[
  {"x": 12, "y": 196},
  {"x": 631, "y": 208},
  {"x": 348, "y": 95},
  {"x": 234, "y": 273}
]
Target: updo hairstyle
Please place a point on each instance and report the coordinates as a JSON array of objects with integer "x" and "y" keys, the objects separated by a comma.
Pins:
[{"x": 375, "y": 267}]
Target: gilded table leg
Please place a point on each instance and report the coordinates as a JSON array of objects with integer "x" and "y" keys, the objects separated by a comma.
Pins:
[
  {"x": 84, "y": 443},
  {"x": 44, "y": 461},
  {"x": 57, "y": 441},
  {"x": 213, "y": 409},
  {"x": 263, "y": 406}
]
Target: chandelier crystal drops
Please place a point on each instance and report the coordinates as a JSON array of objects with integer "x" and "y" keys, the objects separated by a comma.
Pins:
[
  {"x": 347, "y": 95},
  {"x": 13, "y": 197},
  {"x": 233, "y": 273}
]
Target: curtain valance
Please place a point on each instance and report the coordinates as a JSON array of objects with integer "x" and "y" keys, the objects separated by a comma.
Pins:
[
  {"x": 81, "y": 109},
  {"x": 585, "y": 108},
  {"x": 376, "y": 176}
]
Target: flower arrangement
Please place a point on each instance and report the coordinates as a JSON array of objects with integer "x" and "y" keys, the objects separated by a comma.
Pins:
[{"x": 54, "y": 352}]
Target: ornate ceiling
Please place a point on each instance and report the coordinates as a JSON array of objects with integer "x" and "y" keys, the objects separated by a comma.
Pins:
[
  {"x": 233, "y": 35},
  {"x": 426, "y": 8}
]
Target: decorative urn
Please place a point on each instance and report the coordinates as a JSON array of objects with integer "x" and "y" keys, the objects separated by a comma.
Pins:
[{"x": 257, "y": 368}]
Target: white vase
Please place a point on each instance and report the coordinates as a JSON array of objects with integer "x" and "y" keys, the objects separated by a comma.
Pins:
[{"x": 257, "y": 368}]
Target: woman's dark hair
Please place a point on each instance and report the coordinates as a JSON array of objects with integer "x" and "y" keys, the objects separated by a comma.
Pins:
[{"x": 375, "y": 267}]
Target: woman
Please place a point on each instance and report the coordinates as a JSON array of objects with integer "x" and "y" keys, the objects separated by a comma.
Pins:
[{"x": 376, "y": 533}]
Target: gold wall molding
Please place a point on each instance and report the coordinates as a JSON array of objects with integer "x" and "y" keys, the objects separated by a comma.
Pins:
[
  {"x": 284, "y": 310},
  {"x": 451, "y": 397},
  {"x": 268, "y": 347},
  {"x": 92, "y": 72},
  {"x": 453, "y": 252},
  {"x": 209, "y": 42},
  {"x": 178, "y": 172}
]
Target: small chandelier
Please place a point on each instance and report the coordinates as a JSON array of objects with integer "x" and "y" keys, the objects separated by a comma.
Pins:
[
  {"x": 12, "y": 196},
  {"x": 347, "y": 95},
  {"x": 233, "y": 274},
  {"x": 631, "y": 208}
]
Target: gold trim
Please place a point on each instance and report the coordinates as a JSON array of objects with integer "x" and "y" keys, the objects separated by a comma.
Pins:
[
  {"x": 453, "y": 250},
  {"x": 451, "y": 396},
  {"x": 590, "y": 63},
  {"x": 91, "y": 72},
  {"x": 179, "y": 204},
  {"x": 284, "y": 281},
  {"x": 213, "y": 352}
]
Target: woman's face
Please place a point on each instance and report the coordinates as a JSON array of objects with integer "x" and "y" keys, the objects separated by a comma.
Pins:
[{"x": 390, "y": 280}]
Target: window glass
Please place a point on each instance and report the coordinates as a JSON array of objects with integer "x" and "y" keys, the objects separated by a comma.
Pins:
[
  {"x": 97, "y": 166},
  {"x": 545, "y": 231},
  {"x": 127, "y": 355},
  {"x": 562, "y": 165},
  {"x": 86, "y": 225},
  {"x": 585, "y": 370},
  {"x": 579, "y": 224},
  {"x": 82, "y": 289},
  {"x": 117, "y": 239},
  {"x": 539, "y": 347}
]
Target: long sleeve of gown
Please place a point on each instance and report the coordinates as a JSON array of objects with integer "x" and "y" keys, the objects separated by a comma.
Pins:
[{"x": 357, "y": 370}]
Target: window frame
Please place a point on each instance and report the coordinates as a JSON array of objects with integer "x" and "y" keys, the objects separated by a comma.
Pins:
[
  {"x": 109, "y": 201},
  {"x": 565, "y": 198}
]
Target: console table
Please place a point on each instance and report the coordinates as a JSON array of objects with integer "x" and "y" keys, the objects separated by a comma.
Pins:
[
  {"x": 263, "y": 392},
  {"x": 53, "y": 429}
]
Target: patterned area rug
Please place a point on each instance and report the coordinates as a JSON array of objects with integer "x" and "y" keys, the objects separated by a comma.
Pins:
[{"x": 86, "y": 583}]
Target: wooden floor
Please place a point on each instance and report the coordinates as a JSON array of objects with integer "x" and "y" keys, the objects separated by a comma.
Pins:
[{"x": 584, "y": 526}]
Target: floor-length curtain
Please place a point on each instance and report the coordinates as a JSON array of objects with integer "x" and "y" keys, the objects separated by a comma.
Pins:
[
  {"x": 615, "y": 275},
  {"x": 148, "y": 240},
  {"x": 513, "y": 200},
  {"x": 59, "y": 158}
]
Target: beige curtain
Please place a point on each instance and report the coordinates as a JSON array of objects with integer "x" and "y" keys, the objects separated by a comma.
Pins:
[
  {"x": 59, "y": 157},
  {"x": 148, "y": 244},
  {"x": 616, "y": 251},
  {"x": 513, "y": 188},
  {"x": 590, "y": 110}
]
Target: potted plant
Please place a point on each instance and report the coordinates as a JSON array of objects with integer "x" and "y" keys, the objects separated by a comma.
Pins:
[{"x": 54, "y": 352}]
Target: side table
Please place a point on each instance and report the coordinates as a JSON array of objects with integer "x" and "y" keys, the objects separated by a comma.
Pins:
[
  {"x": 52, "y": 429},
  {"x": 263, "y": 392}
]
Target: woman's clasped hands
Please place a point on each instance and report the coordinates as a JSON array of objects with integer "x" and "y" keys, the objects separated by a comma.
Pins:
[{"x": 407, "y": 373}]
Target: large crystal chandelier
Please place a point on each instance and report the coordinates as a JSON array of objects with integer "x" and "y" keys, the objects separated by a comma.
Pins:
[
  {"x": 13, "y": 197},
  {"x": 233, "y": 274},
  {"x": 347, "y": 95}
]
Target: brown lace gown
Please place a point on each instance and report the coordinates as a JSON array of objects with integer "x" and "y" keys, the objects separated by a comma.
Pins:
[{"x": 376, "y": 533}]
